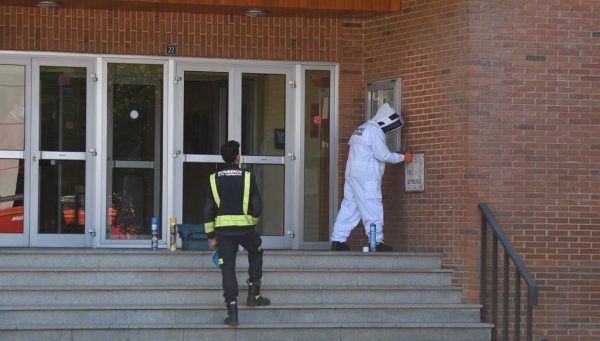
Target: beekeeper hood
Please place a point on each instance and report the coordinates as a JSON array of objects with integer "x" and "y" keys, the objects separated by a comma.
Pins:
[{"x": 388, "y": 119}]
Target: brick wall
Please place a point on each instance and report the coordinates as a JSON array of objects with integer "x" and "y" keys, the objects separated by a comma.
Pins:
[
  {"x": 149, "y": 32},
  {"x": 534, "y": 118},
  {"x": 503, "y": 97},
  {"x": 425, "y": 46}
]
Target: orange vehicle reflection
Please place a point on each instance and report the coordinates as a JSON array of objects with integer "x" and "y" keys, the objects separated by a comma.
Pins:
[{"x": 11, "y": 218}]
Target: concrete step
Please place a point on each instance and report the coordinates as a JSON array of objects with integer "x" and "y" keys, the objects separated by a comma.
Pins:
[
  {"x": 97, "y": 258},
  {"x": 78, "y": 296},
  {"x": 253, "y": 332},
  {"x": 144, "y": 295},
  {"x": 41, "y": 277},
  {"x": 214, "y": 314}
]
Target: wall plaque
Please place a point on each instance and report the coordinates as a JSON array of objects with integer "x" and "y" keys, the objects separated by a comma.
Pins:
[
  {"x": 171, "y": 50},
  {"x": 414, "y": 174}
]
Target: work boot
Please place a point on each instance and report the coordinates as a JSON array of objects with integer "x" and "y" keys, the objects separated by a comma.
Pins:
[
  {"x": 381, "y": 247},
  {"x": 232, "y": 314},
  {"x": 339, "y": 246},
  {"x": 254, "y": 296}
]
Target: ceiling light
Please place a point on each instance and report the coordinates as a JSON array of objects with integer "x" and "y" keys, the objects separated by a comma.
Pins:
[
  {"x": 256, "y": 12},
  {"x": 47, "y": 4}
]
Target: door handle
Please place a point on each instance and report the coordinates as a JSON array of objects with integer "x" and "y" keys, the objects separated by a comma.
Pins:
[
  {"x": 292, "y": 156},
  {"x": 93, "y": 151}
]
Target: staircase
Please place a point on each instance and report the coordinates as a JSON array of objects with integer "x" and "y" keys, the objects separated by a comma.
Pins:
[{"x": 113, "y": 294}]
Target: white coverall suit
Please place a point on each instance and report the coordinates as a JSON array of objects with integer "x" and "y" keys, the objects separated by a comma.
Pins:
[{"x": 364, "y": 170}]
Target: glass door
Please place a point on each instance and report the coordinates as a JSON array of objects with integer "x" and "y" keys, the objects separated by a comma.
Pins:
[
  {"x": 13, "y": 86},
  {"x": 134, "y": 157},
  {"x": 219, "y": 103},
  {"x": 266, "y": 130},
  {"x": 317, "y": 186},
  {"x": 202, "y": 126},
  {"x": 63, "y": 104}
]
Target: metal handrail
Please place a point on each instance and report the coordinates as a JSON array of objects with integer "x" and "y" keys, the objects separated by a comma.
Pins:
[{"x": 488, "y": 219}]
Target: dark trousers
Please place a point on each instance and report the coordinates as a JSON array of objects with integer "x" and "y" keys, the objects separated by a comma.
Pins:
[{"x": 228, "y": 247}]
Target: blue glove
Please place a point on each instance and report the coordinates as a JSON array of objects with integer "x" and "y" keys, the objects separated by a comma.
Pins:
[{"x": 215, "y": 259}]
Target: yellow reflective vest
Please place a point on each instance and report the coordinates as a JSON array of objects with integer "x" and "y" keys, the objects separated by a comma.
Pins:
[{"x": 233, "y": 203}]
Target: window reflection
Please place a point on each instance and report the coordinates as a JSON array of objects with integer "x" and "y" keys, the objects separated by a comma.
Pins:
[
  {"x": 195, "y": 187},
  {"x": 132, "y": 204},
  {"x": 62, "y": 108},
  {"x": 270, "y": 180},
  {"x": 316, "y": 156},
  {"x": 135, "y": 97},
  {"x": 263, "y": 114},
  {"x": 12, "y": 137},
  {"x": 62, "y": 197},
  {"x": 12, "y": 107},
  {"x": 205, "y": 109},
  {"x": 134, "y": 167},
  {"x": 11, "y": 196}
]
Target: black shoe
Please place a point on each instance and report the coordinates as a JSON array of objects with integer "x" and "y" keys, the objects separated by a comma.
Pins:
[
  {"x": 232, "y": 314},
  {"x": 339, "y": 246},
  {"x": 254, "y": 296},
  {"x": 381, "y": 247}
]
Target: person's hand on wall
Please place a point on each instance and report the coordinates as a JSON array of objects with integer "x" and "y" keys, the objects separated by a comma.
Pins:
[{"x": 408, "y": 157}]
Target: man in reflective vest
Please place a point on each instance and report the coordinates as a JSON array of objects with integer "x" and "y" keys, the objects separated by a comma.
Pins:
[{"x": 232, "y": 208}]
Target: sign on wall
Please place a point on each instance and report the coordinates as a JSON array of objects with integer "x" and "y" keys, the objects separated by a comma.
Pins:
[
  {"x": 414, "y": 174},
  {"x": 171, "y": 50}
]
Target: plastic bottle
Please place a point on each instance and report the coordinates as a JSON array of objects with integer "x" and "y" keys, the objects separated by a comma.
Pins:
[
  {"x": 154, "y": 233},
  {"x": 173, "y": 232},
  {"x": 373, "y": 238}
]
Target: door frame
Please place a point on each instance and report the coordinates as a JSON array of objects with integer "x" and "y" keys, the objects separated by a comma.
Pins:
[
  {"x": 36, "y": 154},
  {"x": 102, "y": 202},
  {"x": 333, "y": 150},
  {"x": 234, "y": 131},
  {"x": 177, "y": 151},
  {"x": 288, "y": 160}
]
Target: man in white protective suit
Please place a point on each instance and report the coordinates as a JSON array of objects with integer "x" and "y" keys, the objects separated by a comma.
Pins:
[{"x": 364, "y": 170}]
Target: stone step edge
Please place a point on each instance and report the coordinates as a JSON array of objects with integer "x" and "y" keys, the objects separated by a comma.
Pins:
[
  {"x": 265, "y": 286},
  {"x": 242, "y": 306},
  {"x": 213, "y": 270},
  {"x": 361, "y": 325},
  {"x": 111, "y": 251}
]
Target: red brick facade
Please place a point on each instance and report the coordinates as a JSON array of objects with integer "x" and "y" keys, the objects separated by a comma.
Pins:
[
  {"x": 148, "y": 33},
  {"x": 503, "y": 97}
]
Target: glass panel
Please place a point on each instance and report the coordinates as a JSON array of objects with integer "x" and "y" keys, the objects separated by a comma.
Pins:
[
  {"x": 135, "y": 99},
  {"x": 195, "y": 186},
  {"x": 270, "y": 180},
  {"x": 205, "y": 112},
  {"x": 62, "y": 197},
  {"x": 316, "y": 155},
  {"x": 62, "y": 108},
  {"x": 11, "y": 196},
  {"x": 135, "y": 111},
  {"x": 132, "y": 204},
  {"x": 263, "y": 114},
  {"x": 12, "y": 107}
]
